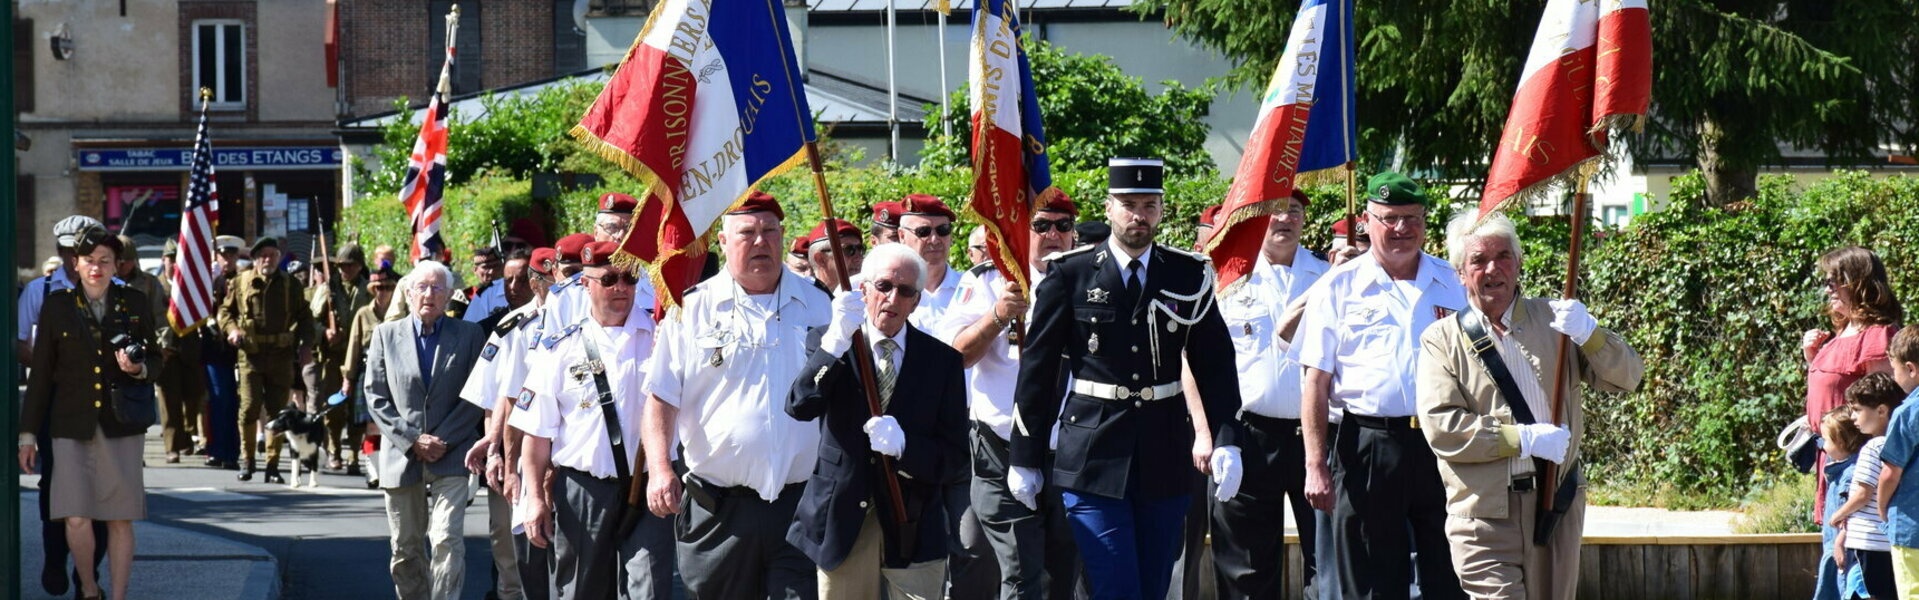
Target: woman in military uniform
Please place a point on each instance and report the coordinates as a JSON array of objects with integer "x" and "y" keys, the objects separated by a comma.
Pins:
[{"x": 71, "y": 387}]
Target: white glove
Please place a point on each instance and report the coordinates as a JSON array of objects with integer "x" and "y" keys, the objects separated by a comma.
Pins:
[
  {"x": 1227, "y": 472},
  {"x": 1544, "y": 440},
  {"x": 1570, "y": 318},
  {"x": 849, "y": 310},
  {"x": 884, "y": 435},
  {"x": 1024, "y": 482}
]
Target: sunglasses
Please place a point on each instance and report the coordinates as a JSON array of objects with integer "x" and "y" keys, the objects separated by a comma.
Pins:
[
  {"x": 884, "y": 287},
  {"x": 927, "y": 231},
  {"x": 615, "y": 278},
  {"x": 1059, "y": 225}
]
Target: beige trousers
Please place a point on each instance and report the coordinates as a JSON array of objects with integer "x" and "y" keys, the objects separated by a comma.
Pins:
[
  {"x": 1496, "y": 558},
  {"x": 433, "y": 513},
  {"x": 499, "y": 523},
  {"x": 860, "y": 577}
]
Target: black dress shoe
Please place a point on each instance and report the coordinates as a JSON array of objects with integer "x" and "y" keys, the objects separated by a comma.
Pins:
[
  {"x": 246, "y": 474},
  {"x": 273, "y": 476},
  {"x": 353, "y": 469},
  {"x": 51, "y": 579}
]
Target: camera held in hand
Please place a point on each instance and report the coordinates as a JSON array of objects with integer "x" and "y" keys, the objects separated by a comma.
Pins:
[{"x": 136, "y": 352}]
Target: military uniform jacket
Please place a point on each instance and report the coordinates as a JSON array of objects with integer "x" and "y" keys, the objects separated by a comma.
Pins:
[
  {"x": 269, "y": 309},
  {"x": 344, "y": 300},
  {"x": 73, "y": 374},
  {"x": 929, "y": 402},
  {"x": 1083, "y": 326}
]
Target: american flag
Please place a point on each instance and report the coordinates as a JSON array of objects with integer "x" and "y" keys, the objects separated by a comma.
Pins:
[
  {"x": 191, "y": 301},
  {"x": 426, "y": 170}
]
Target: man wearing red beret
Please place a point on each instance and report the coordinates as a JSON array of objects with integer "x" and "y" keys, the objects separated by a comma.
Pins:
[
  {"x": 820, "y": 259},
  {"x": 886, "y": 222},
  {"x": 614, "y": 218}
]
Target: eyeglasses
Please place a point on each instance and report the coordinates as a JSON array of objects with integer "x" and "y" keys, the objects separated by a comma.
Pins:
[
  {"x": 616, "y": 278},
  {"x": 1394, "y": 221},
  {"x": 927, "y": 231},
  {"x": 887, "y": 287},
  {"x": 1059, "y": 225}
]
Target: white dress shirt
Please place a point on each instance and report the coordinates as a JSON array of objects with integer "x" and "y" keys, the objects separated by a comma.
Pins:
[
  {"x": 1363, "y": 328},
  {"x": 732, "y": 417},
  {"x": 1269, "y": 382},
  {"x": 1525, "y": 375},
  {"x": 561, "y": 401},
  {"x": 1125, "y": 262}
]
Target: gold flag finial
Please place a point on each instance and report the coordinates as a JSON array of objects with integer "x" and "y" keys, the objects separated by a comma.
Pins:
[{"x": 206, "y": 93}]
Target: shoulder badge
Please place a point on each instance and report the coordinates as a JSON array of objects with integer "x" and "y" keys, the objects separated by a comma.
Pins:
[
  {"x": 510, "y": 322},
  {"x": 982, "y": 268},
  {"x": 489, "y": 351},
  {"x": 554, "y": 339},
  {"x": 1063, "y": 254},
  {"x": 524, "y": 400},
  {"x": 1321, "y": 255}
]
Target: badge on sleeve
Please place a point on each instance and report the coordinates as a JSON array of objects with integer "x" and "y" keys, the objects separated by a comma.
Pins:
[
  {"x": 525, "y": 399},
  {"x": 489, "y": 351}
]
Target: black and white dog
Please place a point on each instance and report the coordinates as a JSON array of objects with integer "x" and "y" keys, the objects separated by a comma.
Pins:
[{"x": 306, "y": 437}]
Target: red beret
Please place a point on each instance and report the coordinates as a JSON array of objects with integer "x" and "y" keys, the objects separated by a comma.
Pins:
[
  {"x": 569, "y": 247},
  {"x": 799, "y": 246},
  {"x": 887, "y": 214},
  {"x": 759, "y": 201},
  {"x": 1210, "y": 216},
  {"x": 540, "y": 258},
  {"x": 1339, "y": 228},
  {"x": 925, "y": 205},
  {"x": 598, "y": 254},
  {"x": 1300, "y": 195},
  {"x": 818, "y": 234},
  {"x": 617, "y": 203},
  {"x": 1060, "y": 203}
]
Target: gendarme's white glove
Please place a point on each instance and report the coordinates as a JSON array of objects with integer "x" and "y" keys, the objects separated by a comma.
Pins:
[
  {"x": 849, "y": 310},
  {"x": 1544, "y": 440},
  {"x": 1227, "y": 472},
  {"x": 1024, "y": 483},
  {"x": 1570, "y": 318},
  {"x": 884, "y": 435}
]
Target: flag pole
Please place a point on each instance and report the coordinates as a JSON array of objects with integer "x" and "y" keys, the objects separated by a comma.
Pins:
[
  {"x": 1352, "y": 202},
  {"x": 1569, "y": 291},
  {"x": 862, "y": 355}
]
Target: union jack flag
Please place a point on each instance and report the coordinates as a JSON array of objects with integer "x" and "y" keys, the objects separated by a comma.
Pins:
[
  {"x": 425, "y": 181},
  {"x": 191, "y": 301}
]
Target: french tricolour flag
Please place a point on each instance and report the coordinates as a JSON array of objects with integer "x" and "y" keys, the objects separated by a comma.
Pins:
[
  {"x": 1011, "y": 174},
  {"x": 1590, "y": 70},
  {"x": 1305, "y": 122},
  {"x": 707, "y": 104}
]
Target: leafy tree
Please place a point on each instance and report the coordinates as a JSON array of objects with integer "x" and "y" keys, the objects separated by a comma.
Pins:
[
  {"x": 1734, "y": 79},
  {"x": 1093, "y": 111},
  {"x": 514, "y": 136}
]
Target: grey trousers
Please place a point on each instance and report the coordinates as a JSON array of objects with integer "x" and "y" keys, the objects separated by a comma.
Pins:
[
  {"x": 736, "y": 548},
  {"x": 1035, "y": 550},
  {"x": 637, "y": 567},
  {"x": 433, "y": 513},
  {"x": 971, "y": 571},
  {"x": 499, "y": 523}
]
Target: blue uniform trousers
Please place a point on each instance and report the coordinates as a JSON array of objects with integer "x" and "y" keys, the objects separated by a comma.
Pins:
[{"x": 1127, "y": 545}]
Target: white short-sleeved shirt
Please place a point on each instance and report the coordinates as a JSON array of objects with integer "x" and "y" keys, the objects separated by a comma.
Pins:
[
  {"x": 934, "y": 302},
  {"x": 482, "y": 387},
  {"x": 1363, "y": 328},
  {"x": 1269, "y": 383},
  {"x": 561, "y": 401},
  {"x": 569, "y": 303},
  {"x": 991, "y": 381},
  {"x": 732, "y": 416}
]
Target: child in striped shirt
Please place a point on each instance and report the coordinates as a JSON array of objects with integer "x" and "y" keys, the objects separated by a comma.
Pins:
[{"x": 1864, "y": 540}]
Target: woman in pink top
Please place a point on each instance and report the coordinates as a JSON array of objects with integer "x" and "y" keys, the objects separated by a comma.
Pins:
[{"x": 1860, "y": 301}]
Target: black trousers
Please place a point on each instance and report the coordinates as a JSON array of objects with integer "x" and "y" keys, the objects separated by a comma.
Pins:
[
  {"x": 533, "y": 562},
  {"x": 1250, "y": 559},
  {"x": 1036, "y": 555},
  {"x": 737, "y": 548},
  {"x": 1391, "y": 502},
  {"x": 53, "y": 534},
  {"x": 1876, "y": 566}
]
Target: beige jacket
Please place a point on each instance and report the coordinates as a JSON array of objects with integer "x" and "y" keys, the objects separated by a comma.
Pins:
[{"x": 1471, "y": 427}]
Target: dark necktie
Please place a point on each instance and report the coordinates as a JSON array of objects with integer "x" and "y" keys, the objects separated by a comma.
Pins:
[{"x": 1132, "y": 283}]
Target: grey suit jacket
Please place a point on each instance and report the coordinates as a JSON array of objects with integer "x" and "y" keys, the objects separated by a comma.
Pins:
[{"x": 405, "y": 406}]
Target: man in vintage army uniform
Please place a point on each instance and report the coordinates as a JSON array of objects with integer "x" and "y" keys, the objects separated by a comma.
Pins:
[
  {"x": 1119, "y": 317},
  {"x": 345, "y": 294},
  {"x": 266, "y": 317}
]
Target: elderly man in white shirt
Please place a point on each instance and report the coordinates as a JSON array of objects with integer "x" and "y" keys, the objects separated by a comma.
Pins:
[{"x": 718, "y": 381}]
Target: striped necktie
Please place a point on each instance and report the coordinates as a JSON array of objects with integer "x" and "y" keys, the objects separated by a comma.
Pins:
[{"x": 889, "y": 371}]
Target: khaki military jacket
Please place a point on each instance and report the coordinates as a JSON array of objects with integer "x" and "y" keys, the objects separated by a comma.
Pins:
[{"x": 270, "y": 311}]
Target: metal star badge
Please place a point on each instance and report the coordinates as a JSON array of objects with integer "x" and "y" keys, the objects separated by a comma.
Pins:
[{"x": 1098, "y": 296}]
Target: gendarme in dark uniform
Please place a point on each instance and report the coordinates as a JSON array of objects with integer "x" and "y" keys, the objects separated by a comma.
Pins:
[{"x": 1124, "y": 461}]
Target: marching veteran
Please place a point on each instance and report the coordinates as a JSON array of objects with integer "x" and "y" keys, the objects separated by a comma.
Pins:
[
  {"x": 581, "y": 410},
  {"x": 1484, "y": 404},
  {"x": 846, "y": 522}
]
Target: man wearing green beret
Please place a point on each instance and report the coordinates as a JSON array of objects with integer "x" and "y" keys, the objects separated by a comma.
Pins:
[
  {"x": 266, "y": 317},
  {"x": 1359, "y": 346}
]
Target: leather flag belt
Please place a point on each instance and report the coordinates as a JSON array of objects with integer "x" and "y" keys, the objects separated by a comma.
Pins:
[{"x": 1107, "y": 391}]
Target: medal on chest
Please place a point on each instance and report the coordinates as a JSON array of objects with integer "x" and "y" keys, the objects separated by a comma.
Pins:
[{"x": 1092, "y": 343}]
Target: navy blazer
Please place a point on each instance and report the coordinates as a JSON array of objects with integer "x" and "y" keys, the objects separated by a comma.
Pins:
[{"x": 929, "y": 401}]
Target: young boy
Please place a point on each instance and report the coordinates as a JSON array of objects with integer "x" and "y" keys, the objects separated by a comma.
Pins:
[
  {"x": 1871, "y": 399},
  {"x": 1841, "y": 440},
  {"x": 1899, "y": 500}
]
